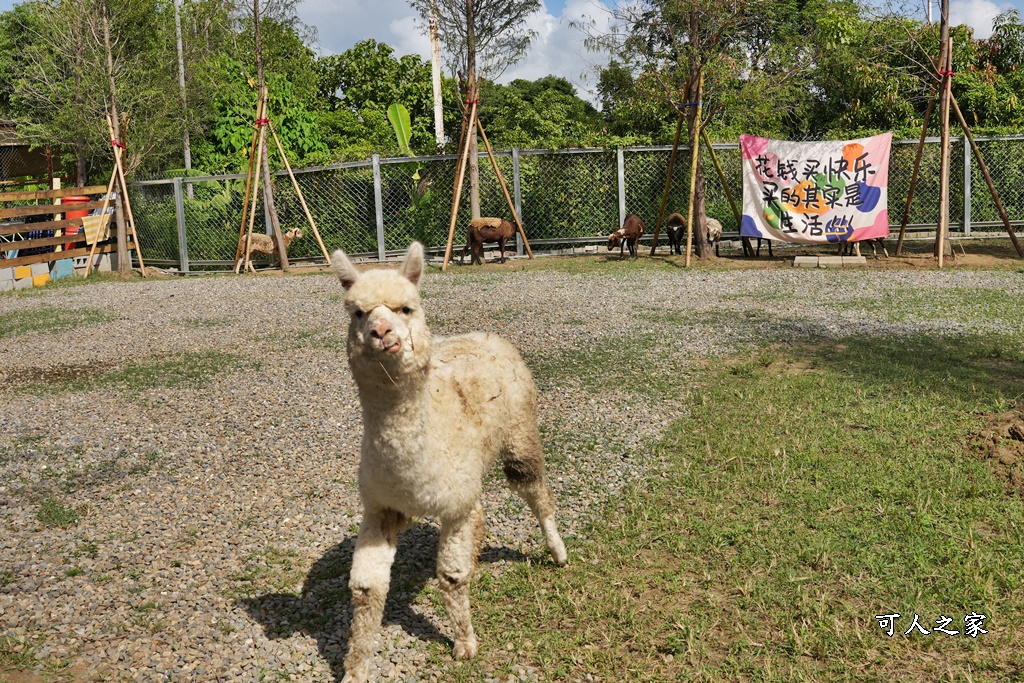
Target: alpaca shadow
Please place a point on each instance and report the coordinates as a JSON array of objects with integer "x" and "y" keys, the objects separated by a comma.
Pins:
[{"x": 323, "y": 608}]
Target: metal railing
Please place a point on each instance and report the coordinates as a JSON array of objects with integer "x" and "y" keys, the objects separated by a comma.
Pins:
[{"x": 373, "y": 209}]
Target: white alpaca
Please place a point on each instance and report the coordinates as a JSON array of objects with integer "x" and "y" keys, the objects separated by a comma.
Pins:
[{"x": 436, "y": 414}]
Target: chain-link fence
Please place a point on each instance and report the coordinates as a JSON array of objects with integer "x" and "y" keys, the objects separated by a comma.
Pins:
[{"x": 375, "y": 208}]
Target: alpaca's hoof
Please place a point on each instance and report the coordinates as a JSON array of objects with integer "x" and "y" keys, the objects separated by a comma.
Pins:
[{"x": 465, "y": 649}]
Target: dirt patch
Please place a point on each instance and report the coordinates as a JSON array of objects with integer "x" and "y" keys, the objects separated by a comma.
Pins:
[
  {"x": 1001, "y": 444},
  {"x": 53, "y": 374}
]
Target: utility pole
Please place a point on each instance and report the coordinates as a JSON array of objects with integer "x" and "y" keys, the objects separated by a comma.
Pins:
[
  {"x": 435, "y": 63},
  {"x": 184, "y": 100}
]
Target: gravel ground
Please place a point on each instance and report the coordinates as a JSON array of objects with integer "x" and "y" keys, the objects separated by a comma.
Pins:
[{"x": 217, "y": 514}]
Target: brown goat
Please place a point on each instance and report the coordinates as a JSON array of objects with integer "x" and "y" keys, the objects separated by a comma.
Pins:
[
  {"x": 482, "y": 231},
  {"x": 675, "y": 226},
  {"x": 627, "y": 236},
  {"x": 266, "y": 244}
]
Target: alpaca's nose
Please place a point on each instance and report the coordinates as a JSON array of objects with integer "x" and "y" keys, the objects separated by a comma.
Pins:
[{"x": 380, "y": 328}]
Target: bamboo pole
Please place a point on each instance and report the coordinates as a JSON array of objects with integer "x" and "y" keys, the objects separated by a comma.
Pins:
[
  {"x": 103, "y": 212},
  {"x": 504, "y": 188},
  {"x": 917, "y": 168},
  {"x": 946, "y": 61},
  {"x": 255, "y": 192},
  {"x": 721, "y": 176},
  {"x": 694, "y": 156},
  {"x": 248, "y": 180},
  {"x": 127, "y": 203},
  {"x": 298, "y": 192},
  {"x": 985, "y": 173},
  {"x": 668, "y": 185},
  {"x": 458, "y": 185}
]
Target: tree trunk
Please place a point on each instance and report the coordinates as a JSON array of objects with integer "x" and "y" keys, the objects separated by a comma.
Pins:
[
  {"x": 474, "y": 166},
  {"x": 268, "y": 182},
  {"x": 694, "y": 94},
  {"x": 122, "y": 233}
]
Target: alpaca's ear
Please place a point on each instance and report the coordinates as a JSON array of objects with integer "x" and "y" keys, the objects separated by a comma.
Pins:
[
  {"x": 413, "y": 266},
  {"x": 344, "y": 269}
]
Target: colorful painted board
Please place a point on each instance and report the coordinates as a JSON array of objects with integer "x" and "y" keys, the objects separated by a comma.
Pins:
[{"x": 815, "y": 192}]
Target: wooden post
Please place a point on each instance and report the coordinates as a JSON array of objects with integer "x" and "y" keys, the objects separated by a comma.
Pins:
[
  {"x": 668, "y": 184},
  {"x": 504, "y": 188},
  {"x": 917, "y": 168},
  {"x": 694, "y": 156},
  {"x": 470, "y": 134},
  {"x": 248, "y": 182},
  {"x": 298, "y": 191},
  {"x": 988, "y": 178},
  {"x": 946, "y": 61}
]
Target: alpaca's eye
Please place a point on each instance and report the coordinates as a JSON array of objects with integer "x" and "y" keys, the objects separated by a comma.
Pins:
[
  {"x": 406, "y": 310},
  {"x": 359, "y": 313}
]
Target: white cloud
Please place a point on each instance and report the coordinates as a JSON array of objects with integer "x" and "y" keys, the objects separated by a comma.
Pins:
[
  {"x": 558, "y": 49},
  {"x": 978, "y": 14}
]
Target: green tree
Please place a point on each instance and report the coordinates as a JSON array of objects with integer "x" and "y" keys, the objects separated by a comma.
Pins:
[
  {"x": 546, "y": 112},
  {"x": 357, "y": 87}
]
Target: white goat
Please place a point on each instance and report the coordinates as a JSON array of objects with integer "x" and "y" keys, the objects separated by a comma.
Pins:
[{"x": 436, "y": 414}]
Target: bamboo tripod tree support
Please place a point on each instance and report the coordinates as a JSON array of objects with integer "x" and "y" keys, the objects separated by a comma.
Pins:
[
  {"x": 942, "y": 90},
  {"x": 470, "y": 123},
  {"x": 243, "y": 251},
  {"x": 694, "y": 157},
  {"x": 122, "y": 187}
]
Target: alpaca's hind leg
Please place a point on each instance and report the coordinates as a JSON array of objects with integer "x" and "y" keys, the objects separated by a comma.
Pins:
[
  {"x": 371, "y": 574},
  {"x": 523, "y": 465},
  {"x": 456, "y": 560}
]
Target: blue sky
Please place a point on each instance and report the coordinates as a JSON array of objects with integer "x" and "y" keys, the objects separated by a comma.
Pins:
[{"x": 558, "y": 49}]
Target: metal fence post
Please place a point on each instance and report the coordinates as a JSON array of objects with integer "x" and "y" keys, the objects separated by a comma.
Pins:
[
  {"x": 379, "y": 207},
  {"x": 621, "y": 171},
  {"x": 179, "y": 211},
  {"x": 967, "y": 187},
  {"x": 517, "y": 197}
]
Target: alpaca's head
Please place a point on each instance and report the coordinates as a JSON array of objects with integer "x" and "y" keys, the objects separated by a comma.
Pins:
[
  {"x": 293, "y": 234},
  {"x": 386, "y": 321}
]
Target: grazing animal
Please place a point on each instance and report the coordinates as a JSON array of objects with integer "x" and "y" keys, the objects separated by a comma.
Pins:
[
  {"x": 714, "y": 233},
  {"x": 676, "y": 228},
  {"x": 437, "y": 412},
  {"x": 485, "y": 230},
  {"x": 627, "y": 236},
  {"x": 852, "y": 248},
  {"x": 759, "y": 240},
  {"x": 266, "y": 244}
]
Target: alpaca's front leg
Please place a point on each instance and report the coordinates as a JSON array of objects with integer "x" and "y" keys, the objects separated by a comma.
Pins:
[
  {"x": 371, "y": 574},
  {"x": 456, "y": 560}
]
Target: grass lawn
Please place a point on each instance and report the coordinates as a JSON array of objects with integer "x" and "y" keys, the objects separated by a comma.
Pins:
[{"x": 808, "y": 492}]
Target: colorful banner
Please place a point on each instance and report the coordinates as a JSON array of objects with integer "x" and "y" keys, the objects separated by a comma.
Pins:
[{"x": 815, "y": 192}]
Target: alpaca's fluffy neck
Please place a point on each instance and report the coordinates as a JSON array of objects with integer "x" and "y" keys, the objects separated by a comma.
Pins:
[{"x": 394, "y": 401}]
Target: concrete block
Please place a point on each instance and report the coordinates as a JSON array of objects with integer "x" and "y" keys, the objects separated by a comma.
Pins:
[
  {"x": 23, "y": 283},
  {"x": 104, "y": 263},
  {"x": 854, "y": 261},
  {"x": 805, "y": 262},
  {"x": 830, "y": 261},
  {"x": 61, "y": 269},
  {"x": 40, "y": 268},
  {"x": 6, "y": 274},
  {"x": 6, "y": 285},
  {"x": 40, "y": 280},
  {"x": 23, "y": 272}
]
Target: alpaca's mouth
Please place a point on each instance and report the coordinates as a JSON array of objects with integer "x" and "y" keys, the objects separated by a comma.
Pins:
[{"x": 394, "y": 347}]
